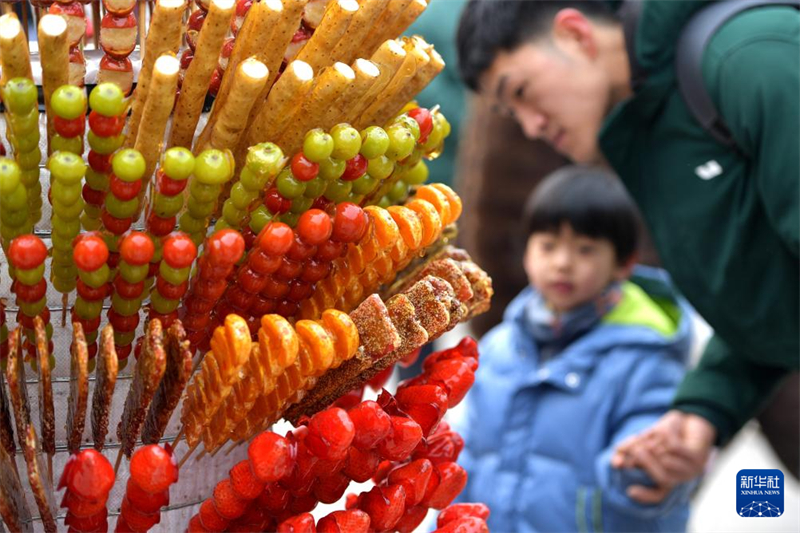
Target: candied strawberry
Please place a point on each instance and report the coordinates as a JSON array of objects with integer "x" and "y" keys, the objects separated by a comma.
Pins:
[
  {"x": 325, "y": 467},
  {"x": 331, "y": 488},
  {"x": 352, "y": 521},
  {"x": 469, "y": 524},
  {"x": 90, "y": 476},
  {"x": 361, "y": 465},
  {"x": 350, "y": 400},
  {"x": 383, "y": 471},
  {"x": 350, "y": 501},
  {"x": 153, "y": 468},
  {"x": 303, "y": 503},
  {"x": 254, "y": 518},
  {"x": 210, "y": 518},
  {"x": 270, "y": 457},
  {"x": 462, "y": 510},
  {"x": 196, "y": 525},
  {"x": 377, "y": 381},
  {"x": 122, "y": 526},
  {"x": 244, "y": 482},
  {"x": 330, "y": 433},
  {"x": 302, "y": 476},
  {"x": 426, "y": 404},
  {"x": 414, "y": 478},
  {"x": 371, "y": 424},
  {"x": 442, "y": 447},
  {"x": 456, "y": 376},
  {"x": 80, "y": 507},
  {"x": 452, "y": 480},
  {"x": 466, "y": 350},
  {"x": 226, "y": 502},
  {"x": 411, "y": 519},
  {"x": 274, "y": 498},
  {"x": 410, "y": 359},
  {"x": 384, "y": 505},
  {"x": 145, "y": 501},
  {"x": 302, "y": 523},
  {"x": 137, "y": 520},
  {"x": 87, "y": 523},
  {"x": 399, "y": 444}
]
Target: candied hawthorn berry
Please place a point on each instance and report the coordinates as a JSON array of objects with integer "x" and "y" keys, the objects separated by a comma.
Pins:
[
  {"x": 349, "y": 223},
  {"x": 153, "y": 468},
  {"x": 314, "y": 227},
  {"x": 270, "y": 457},
  {"x": 27, "y": 252},
  {"x": 276, "y": 238},
  {"x": 179, "y": 250},
  {"x": 90, "y": 253},
  {"x": 225, "y": 247},
  {"x": 136, "y": 248},
  {"x": 425, "y": 121},
  {"x": 355, "y": 168},
  {"x": 91, "y": 476},
  {"x": 303, "y": 169}
]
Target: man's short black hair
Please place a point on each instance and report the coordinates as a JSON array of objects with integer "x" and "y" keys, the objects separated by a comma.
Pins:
[
  {"x": 592, "y": 201},
  {"x": 490, "y": 26}
]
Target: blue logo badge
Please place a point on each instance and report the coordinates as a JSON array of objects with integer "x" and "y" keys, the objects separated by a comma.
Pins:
[{"x": 759, "y": 493}]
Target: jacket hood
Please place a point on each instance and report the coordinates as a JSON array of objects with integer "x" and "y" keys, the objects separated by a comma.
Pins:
[{"x": 650, "y": 315}]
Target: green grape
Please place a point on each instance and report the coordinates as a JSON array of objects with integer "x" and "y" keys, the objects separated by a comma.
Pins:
[
  {"x": 188, "y": 224},
  {"x": 374, "y": 142},
  {"x": 105, "y": 145},
  {"x": 436, "y": 135},
  {"x": 66, "y": 167},
  {"x": 31, "y": 276},
  {"x": 259, "y": 218},
  {"x": 178, "y": 163},
  {"x": 175, "y": 276},
  {"x": 199, "y": 209},
  {"x": 384, "y": 202},
  {"x": 213, "y": 167},
  {"x": 90, "y": 223},
  {"x": 9, "y": 176},
  {"x": 301, "y": 204},
  {"x": 398, "y": 191},
  {"x": 232, "y": 215},
  {"x": 289, "y": 186},
  {"x": 445, "y": 125},
  {"x": 26, "y": 143},
  {"x": 93, "y": 211},
  {"x": 88, "y": 310},
  {"x": 20, "y": 95},
  {"x": 96, "y": 180},
  {"x": 125, "y": 307},
  {"x": 222, "y": 224},
  {"x": 64, "y": 285},
  {"x": 121, "y": 208},
  {"x": 97, "y": 278},
  {"x": 411, "y": 124},
  {"x": 65, "y": 229},
  {"x": 29, "y": 178},
  {"x": 66, "y": 194},
  {"x": 108, "y": 100},
  {"x": 64, "y": 247},
  {"x": 68, "y": 102},
  {"x": 365, "y": 184},
  {"x": 401, "y": 142},
  {"x": 163, "y": 305},
  {"x": 69, "y": 212},
  {"x": 128, "y": 165},
  {"x": 253, "y": 181},
  {"x": 91, "y": 337},
  {"x": 355, "y": 198},
  {"x": 346, "y": 142},
  {"x": 33, "y": 308},
  {"x": 204, "y": 193},
  {"x": 65, "y": 271},
  {"x": 315, "y": 188},
  {"x": 337, "y": 191},
  {"x": 167, "y": 206},
  {"x": 241, "y": 197},
  {"x": 132, "y": 273},
  {"x": 124, "y": 339},
  {"x": 332, "y": 169},
  {"x": 17, "y": 199},
  {"x": 62, "y": 144},
  {"x": 413, "y": 159},
  {"x": 380, "y": 168},
  {"x": 317, "y": 145},
  {"x": 26, "y": 123},
  {"x": 290, "y": 219},
  {"x": 264, "y": 159},
  {"x": 13, "y": 219},
  {"x": 416, "y": 175}
]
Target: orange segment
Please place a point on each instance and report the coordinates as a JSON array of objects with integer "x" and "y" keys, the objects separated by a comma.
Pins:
[
  {"x": 430, "y": 220},
  {"x": 344, "y": 332},
  {"x": 319, "y": 345},
  {"x": 409, "y": 225},
  {"x": 438, "y": 200},
  {"x": 455, "y": 201},
  {"x": 383, "y": 225}
]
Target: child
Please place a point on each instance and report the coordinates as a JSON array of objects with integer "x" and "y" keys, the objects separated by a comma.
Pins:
[{"x": 583, "y": 359}]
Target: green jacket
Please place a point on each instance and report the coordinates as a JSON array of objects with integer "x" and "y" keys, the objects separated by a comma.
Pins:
[{"x": 726, "y": 226}]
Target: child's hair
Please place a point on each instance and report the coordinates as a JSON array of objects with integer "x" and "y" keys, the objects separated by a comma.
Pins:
[{"x": 592, "y": 201}]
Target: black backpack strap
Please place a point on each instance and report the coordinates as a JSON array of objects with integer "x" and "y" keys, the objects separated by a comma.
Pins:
[{"x": 689, "y": 61}]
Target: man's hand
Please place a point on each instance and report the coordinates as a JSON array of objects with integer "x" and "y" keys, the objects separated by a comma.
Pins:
[{"x": 675, "y": 450}]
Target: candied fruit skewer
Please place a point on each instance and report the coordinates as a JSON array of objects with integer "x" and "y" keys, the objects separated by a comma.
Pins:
[
  {"x": 26, "y": 256},
  {"x": 13, "y": 203},
  {"x": 121, "y": 203},
  {"x": 136, "y": 249},
  {"x": 118, "y": 36},
  {"x": 22, "y": 118},
  {"x": 223, "y": 250},
  {"x": 106, "y": 121},
  {"x": 13, "y": 505},
  {"x": 90, "y": 255},
  {"x": 212, "y": 169},
  {"x": 153, "y": 471},
  {"x": 106, "y": 379},
  {"x": 179, "y": 252},
  {"x": 88, "y": 478},
  {"x": 69, "y": 104},
  {"x": 78, "y": 390}
]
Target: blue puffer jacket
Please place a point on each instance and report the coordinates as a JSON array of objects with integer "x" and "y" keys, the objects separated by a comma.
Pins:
[{"x": 539, "y": 437}]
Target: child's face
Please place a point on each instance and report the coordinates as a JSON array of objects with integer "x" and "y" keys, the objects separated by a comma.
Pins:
[{"x": 569, "y": 269}]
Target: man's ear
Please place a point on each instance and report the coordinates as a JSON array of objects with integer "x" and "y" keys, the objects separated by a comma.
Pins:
[
  {"x": 625, "y": 270},
  {"x": 572, "y": 28}
]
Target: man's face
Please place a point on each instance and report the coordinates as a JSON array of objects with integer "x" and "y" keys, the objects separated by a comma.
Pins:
[{"x": 555, "y": 91}]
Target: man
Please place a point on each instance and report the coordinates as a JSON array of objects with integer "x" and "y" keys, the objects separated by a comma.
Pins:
[{"x": 725, "y": 222}]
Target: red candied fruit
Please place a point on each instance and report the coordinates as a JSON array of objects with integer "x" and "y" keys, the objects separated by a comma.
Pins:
[
  {"x": 27, "y": 252},
  {"x": 349, "y": 223},
  {"x": 153, "y": 468},
  {"x": 314, "y": 227},
  {"x": 179, "y": 250},
  {"x": 371, "y": 423},
  {"x": 270, "y": 457},
  {"x": 90, "y": 476},
  {"x": 398, "y": 445},
  {"x": 90, "y": 253},
  {"x": 330, "y": 433},
  {"x": 275, "y": 239},
  {"x": 136, "y": 248},
  {"x": 225, "y": 247}
]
